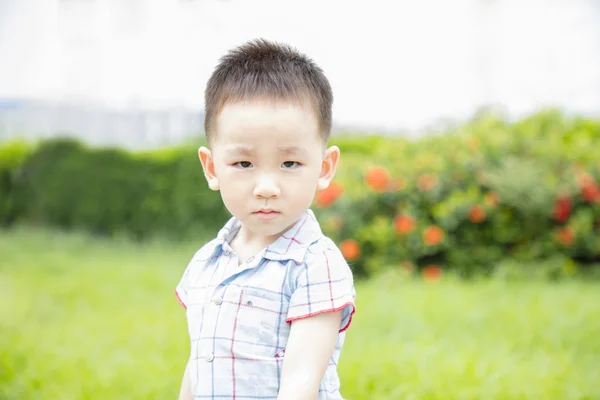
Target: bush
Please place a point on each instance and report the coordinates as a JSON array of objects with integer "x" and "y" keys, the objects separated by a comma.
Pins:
[
  {"x": 485, "y": 192},
  {"x": 12, "y": 156},
  {"x": 108, "y": 191},
  {"x": 469, "y": 200}
]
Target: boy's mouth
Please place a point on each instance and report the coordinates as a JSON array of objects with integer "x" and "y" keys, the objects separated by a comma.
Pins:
[{"x": 266, "y": 213}]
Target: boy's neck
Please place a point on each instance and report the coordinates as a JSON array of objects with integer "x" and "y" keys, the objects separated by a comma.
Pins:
[
  {"x": 246, "y": 238},
  {"x": 247, "y": 244}
]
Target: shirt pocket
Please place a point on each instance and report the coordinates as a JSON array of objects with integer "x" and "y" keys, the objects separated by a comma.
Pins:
[{"x": 261, "y": 330}]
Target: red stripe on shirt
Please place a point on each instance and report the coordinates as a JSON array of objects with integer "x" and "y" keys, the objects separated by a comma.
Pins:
[{"x": 179, "y": 299}]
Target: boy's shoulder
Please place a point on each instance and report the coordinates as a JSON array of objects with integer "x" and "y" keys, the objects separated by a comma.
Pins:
[
  {"x": 305, "y": 243},
  {"x": 324, "y": 246},
  {"x": 206, "y": 252},
  {"x": 325, "y": 254}
]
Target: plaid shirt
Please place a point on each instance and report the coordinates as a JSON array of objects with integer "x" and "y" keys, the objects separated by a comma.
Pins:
[{"x": 239, "y": 317}]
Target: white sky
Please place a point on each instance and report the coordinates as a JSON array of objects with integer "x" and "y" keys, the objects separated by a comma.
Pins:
[{"x": 391, "y": 64}]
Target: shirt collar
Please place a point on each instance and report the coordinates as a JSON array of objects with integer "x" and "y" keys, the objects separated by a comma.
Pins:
[{"x": 291, "y": 245}]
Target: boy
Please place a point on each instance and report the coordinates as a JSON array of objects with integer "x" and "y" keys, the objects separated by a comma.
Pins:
[{"x": 267, "y": 300}]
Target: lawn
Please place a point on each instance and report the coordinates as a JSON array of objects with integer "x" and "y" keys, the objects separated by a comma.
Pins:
[{"x": 89, "y": 318}]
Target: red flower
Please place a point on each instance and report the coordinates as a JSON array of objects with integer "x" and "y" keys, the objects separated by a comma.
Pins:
[
  {"x": 432, "y": 273},
  {"x": 562, "y": 209},
  {"x": 565, "y": 236},
  {"x": 590, "y": 192},
  {"x": 350, "y": 249},
  {"x": 588, "y": 186},
  {"x": 378, "y": 178},
  {"x": 404, "y": 224},
  {"x": 433, "y": 235},
  {"x": 427, "y": 182},
  {"x": 477, "y": 214},
  {"x": 329, "y": 195}
]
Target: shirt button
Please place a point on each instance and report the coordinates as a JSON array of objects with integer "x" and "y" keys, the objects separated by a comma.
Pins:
[
  {"x": 218, "y": 301},
  {"x": 209, "y": 357}
]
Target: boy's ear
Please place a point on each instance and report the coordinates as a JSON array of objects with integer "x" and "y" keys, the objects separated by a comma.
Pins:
[
  {"x": 208, "y": 166},
  {"x": 328, "y": 167}
]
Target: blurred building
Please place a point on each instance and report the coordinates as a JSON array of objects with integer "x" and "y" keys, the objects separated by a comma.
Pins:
[
  {"x": 132, "y": 72},
  {"x": 98, "y": 124}
]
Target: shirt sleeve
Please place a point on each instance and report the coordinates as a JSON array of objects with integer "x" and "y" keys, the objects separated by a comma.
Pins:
[
  {"x": 182, "y": 287},
  {"x": 323, "y": 284}
]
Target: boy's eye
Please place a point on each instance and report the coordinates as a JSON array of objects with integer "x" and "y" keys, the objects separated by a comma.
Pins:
[
  {"x": 243, "y": 164},
  {"x": 290, "y": 164}
]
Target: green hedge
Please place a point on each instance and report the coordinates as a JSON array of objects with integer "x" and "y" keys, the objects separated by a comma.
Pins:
[
  {"x": 487, "y": 196},
  {"x": 12, "y": 157},
  {"x": 108, "y": 191}
]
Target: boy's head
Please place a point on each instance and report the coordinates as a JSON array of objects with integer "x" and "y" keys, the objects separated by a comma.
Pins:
[
  {"x": 268, "y": 120},
  {"x": 260, "y": 69}
]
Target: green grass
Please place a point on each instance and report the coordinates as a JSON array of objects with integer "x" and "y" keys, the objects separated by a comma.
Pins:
[{"x": 84, "y": 318}]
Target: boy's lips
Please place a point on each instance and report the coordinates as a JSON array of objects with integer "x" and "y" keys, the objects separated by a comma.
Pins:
[{"x": 266, "y": 213}]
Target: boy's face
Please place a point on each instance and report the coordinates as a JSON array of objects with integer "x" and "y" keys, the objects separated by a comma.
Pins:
[{"x": 268, "y": 159}]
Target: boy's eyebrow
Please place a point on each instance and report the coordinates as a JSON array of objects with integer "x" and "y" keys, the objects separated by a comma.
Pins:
[
  {"x": 292, "y": 150},
  {"x": 241, "y": 149},
  {"x": 248, "y": 150}
]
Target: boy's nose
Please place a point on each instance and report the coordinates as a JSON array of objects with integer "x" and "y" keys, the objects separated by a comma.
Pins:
[{"x": 266, "y": 188}]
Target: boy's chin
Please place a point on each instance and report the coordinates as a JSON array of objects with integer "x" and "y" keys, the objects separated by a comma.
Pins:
[
  {"x": 269, "y": 228},
  {"x": 273, "y": 229}
]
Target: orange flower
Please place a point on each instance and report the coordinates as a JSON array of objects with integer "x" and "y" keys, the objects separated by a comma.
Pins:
[
  {"x": 432, "y": 273},
  {"x": 378, "y": 178},
  {"x": 404, "y": 224},
  {"x": 477, "y": 214},
  {"x": 350, "y": 249},
  {"x": 584, "y": 179},
  {"x": 491, "y": 199},
  {"x": 427, "y": 182},
  {"x": 329, "y": 195},
  {"x": 565, "y": 236},
  {"x": 433, "y": 235}
]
